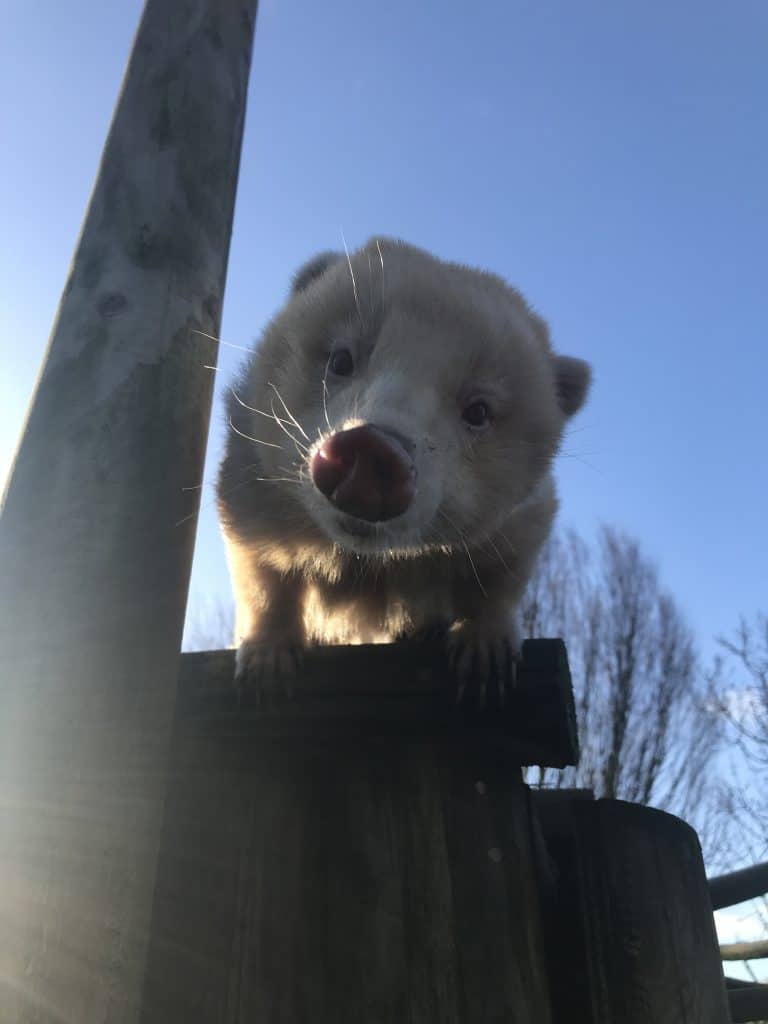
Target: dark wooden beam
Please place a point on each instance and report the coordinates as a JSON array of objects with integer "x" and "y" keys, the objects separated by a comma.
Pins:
[
  {"x": 731, "y": 983},
  {"x": 749, "y": 1004},
  {"x": 405, "y": 689},
  {"x": 738, "y": 886}
]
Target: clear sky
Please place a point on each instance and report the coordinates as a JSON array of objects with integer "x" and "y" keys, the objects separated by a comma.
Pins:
[{"x": 609, "y": 159}]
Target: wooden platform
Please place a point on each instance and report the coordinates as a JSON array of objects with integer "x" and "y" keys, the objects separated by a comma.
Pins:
[
  {"x": 369, "y": 854},
  {"x": 395, "y": 689}
]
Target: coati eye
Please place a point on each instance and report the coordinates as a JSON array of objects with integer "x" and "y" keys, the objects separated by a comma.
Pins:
[
  {"x": 341, "y": 362},
  {"x": 476, "y": 414}
]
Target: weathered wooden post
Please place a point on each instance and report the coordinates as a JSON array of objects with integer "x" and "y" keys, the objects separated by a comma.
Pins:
[
  {"x": 93, "y": 566},
  {"x": 367, "y": 853},
  {"x": 630, "y": 932},
  {"x": 363, "y": 854}
]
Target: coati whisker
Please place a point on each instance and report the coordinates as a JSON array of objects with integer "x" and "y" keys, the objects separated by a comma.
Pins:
[
  {"x": 227, "y": 344},
  {"x": 269, "y": 415},
  {"x": 288, "y": 412},
  {"x": 208, "y": 504},
  {"x": 256, "y": 440},
  {"x": 381, "y": 259},
  {"x": 500, "y": 556},
  {"x": 354, "y": 283},
  {"x": 325, "y": 404},
  {"x": 300, "y": 448},
  {"x": 464, "y": 544},
  {"x": 277, "y": 479}
]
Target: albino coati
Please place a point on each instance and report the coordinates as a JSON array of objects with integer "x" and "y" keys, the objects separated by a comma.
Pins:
[{"x": 387, "y": 470}]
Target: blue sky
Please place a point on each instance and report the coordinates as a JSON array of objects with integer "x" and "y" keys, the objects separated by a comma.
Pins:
[{"x": 609, "y": 159}]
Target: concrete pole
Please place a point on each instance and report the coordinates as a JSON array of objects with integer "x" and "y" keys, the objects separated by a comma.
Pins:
[{"x": 94, "y": 567}]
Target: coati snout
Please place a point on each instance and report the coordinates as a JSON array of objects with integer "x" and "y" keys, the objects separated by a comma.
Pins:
[{"x": 365, "y": 472}]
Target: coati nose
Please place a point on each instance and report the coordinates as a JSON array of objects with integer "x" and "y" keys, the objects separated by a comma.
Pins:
[{"x": 366, "y": 472}]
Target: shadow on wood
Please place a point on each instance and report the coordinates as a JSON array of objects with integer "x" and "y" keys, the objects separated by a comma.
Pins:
[
  {"x": 367, "y": 854},
  {"x": 361, "y": 854},
  {"x": 629, "y": 927},
  {"x": 749, "y": 1003},
  {"x": 397, "y": 689}
]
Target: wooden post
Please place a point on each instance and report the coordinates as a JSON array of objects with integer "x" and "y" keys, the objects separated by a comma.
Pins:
[
  {"x": 361, "y": 855},
  {"x": 630, "y": 931},
  {"x": 95, "y": 543},
  {"x": 385, "y": 688}
]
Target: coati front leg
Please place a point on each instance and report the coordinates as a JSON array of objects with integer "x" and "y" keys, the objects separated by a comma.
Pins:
[
  {"x": 269, "y": 628},
  {"x": 484, "y": 646},
  {"x": 485, "y": 641}
]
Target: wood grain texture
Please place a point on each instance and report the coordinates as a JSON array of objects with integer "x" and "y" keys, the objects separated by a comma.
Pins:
[
  {"x": 98, "y": 524},
  {"x": 628, "y": 930},
  {"x": 397, "y": 689},
  {"x": 749, "y": 1004},
  {"x": 559, "y": 873},
  {"x": 358, "y": 878},
  {"x": 650, "y": 935}
]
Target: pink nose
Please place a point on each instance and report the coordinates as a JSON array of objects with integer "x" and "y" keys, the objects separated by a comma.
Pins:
[{"x": 366, "y": 473}]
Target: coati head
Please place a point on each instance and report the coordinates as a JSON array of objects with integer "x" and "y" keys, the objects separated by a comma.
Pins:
[{"x": 421, "y": 399}]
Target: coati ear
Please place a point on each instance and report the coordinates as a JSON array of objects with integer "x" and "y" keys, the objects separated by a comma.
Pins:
[
  {"x": 313, "y": 269},
  {"x": 572, "y": 380}
]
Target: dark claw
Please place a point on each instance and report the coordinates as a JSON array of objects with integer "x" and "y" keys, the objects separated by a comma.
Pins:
[
  {"x": 487, "y": 676},
  {"x": 267, "y": 675}
]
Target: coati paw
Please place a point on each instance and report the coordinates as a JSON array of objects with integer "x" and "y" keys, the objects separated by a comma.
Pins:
[
  {"x": 267, "y": 669},
  {"x": 433, "y": 633},
  {"x": 483, "y": 659}
]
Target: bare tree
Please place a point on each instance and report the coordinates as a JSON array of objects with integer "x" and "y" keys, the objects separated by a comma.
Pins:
[
  {"x": 739, "y": 693},
  {"x": 210, "y": 625},
  {"x": 744, "y": 703},
  {"x": 647, "y": 732}
]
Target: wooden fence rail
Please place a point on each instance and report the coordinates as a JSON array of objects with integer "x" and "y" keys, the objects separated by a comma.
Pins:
[
  {"x": 738, "y": 886},
  {"x": 748, "y": 1000},
  {"x": 745, "y": 950}
]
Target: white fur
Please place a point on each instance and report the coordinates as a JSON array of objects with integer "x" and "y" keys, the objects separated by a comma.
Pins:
[{"x": 427, "y": 338}]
